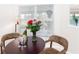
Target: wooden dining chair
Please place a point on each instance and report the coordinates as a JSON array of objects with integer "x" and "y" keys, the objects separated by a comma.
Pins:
[
  {"x": 58, "y": 39},
  {"x": 7, "y": 37}
]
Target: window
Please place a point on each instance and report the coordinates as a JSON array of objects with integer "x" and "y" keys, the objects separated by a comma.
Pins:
[
  {"x": 74, "y": 15},
  {"x": 40, "y": 12}
]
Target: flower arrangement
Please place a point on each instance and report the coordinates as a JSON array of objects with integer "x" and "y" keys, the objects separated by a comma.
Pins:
[{"x": 34, "y": 25}]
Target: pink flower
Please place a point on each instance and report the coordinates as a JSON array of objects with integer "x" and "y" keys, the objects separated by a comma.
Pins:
[
  {"x": 39, "y": 22},
  {"x": 34, "y": 21}
]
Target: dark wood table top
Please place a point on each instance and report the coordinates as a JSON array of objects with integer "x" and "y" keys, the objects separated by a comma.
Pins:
[{"x": 12, "y": 47}]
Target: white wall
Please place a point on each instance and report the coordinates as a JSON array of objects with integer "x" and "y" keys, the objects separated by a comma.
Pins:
[
  {"x": 62, "y": 27},
  {"x": 8, "y": 15}
]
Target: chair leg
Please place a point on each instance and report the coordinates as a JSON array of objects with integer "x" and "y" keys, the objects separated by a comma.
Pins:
[
  {"x": 51, "y": 44},
  {"x": 1, "y": 50}
]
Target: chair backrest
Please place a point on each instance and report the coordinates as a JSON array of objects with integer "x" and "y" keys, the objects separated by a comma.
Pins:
[
  {"x": 60, "y": 40},
  {"x": 7, "y": 37}
]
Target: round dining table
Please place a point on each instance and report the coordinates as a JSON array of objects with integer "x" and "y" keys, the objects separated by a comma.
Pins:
[{"x": 31, "y": 48}]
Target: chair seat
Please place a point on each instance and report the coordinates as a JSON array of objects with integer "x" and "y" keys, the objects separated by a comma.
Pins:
[{"x": 49, "y": 51}]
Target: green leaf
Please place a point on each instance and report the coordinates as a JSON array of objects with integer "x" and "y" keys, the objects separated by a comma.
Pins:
[{"x": 25, "y": 32}]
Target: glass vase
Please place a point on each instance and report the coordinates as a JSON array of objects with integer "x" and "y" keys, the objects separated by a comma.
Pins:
[{"x": 34, "y": 37}]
